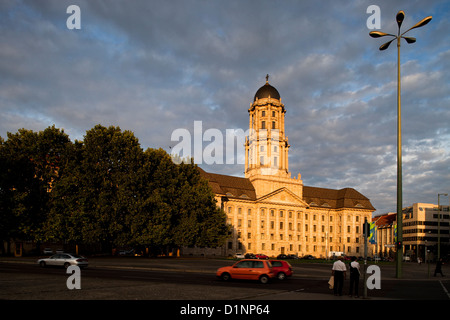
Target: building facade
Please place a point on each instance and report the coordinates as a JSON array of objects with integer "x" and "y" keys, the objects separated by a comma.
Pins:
[
  {"x": 272, "y": 213},
  {"x": 385, "y": 235},
  {"x": 426, "y": 230}
]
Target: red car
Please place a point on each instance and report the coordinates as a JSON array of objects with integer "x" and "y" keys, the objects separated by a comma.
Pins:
[
  {"x": 247, "y": 269},
  {"x": 261, "y": 256},
  {"x": 281, "y": 268}
]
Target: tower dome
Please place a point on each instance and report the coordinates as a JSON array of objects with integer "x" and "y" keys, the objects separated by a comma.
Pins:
[{"x": 267, "y": 91}]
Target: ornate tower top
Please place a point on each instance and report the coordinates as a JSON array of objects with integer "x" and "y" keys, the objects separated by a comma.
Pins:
[
  {"x": 267, "y": 91},
  {"x": 267, "y": 146}
]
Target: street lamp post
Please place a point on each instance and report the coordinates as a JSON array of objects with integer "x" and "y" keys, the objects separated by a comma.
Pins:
[{"x": 377, "y": 34}]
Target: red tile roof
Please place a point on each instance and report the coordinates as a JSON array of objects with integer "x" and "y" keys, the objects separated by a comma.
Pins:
[
  {"x": 232, "y": 187},
  {"x": 336, "y": 198},
  {"x": 385, "y": 220},
  {"x": 242, "y": 188}
]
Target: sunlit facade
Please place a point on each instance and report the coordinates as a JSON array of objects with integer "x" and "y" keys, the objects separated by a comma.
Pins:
[{"x": 272, "y": 213}]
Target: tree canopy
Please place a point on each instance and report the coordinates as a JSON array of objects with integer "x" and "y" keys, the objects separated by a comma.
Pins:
[{"x": 103, "y": 190}]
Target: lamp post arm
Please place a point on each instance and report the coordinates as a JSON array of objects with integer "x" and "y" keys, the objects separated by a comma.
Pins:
[{"x": 419, "y": 24}]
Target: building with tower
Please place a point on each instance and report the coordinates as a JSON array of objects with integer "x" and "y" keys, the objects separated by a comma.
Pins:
[{"x": 271, "y": 212}]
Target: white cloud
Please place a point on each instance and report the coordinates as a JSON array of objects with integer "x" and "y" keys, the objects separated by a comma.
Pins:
[{"x": 152, "y": 67}]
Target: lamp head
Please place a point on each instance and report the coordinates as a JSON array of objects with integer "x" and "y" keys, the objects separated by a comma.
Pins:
[
  {"x": 386, "y": 45},
  {"x": 400, "y": 17},
  {"x": 378, "y": 34},
  {"x": 422, "y": 22},
  {"x": 409, "y": 39}
]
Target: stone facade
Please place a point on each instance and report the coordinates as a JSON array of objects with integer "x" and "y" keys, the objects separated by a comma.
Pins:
[{"x": 272, "y": 213}]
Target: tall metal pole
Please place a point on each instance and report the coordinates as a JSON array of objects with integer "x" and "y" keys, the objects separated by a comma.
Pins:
[
  {"x": 377, "y": 34},
  {"x": 399, "y": 169}
]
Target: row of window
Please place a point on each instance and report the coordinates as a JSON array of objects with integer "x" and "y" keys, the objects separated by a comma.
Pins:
[
  {"x": 262, "y": 148},
  {"x": 290, "y": 214},
  {"x": 263, "y": 113},
  {"x": 426, "y": 223},
  {"x": 410, "y": 214},
  {"x": 291, "y": 226},
  {"x": 263, "y": 162},
  {"x": 263, "y": 122},
  {"x": 292, "y": 247},
  {"x": 428, "y": 231},
  {"x": 314, "y": 239},
  {"x": 431, "y": 239}
]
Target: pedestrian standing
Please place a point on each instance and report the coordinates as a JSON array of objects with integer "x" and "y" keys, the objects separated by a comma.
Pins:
[
  {"x": 354, "y": 277},
  {"x": 339, "y": 272},
  {"x": 439, "y": 268}
]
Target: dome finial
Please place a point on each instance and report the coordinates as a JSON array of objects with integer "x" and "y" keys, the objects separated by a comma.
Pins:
[{"x": 267, "y": 91}]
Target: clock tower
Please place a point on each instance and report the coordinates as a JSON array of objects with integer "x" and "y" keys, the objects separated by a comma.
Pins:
[{"x": 267, "y": 146}]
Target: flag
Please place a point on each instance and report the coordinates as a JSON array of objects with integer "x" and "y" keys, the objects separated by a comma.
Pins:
[{"x": 372, "y": 233}]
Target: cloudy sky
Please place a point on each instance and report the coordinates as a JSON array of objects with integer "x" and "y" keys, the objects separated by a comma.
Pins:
[{"x": 155, "y": 66}]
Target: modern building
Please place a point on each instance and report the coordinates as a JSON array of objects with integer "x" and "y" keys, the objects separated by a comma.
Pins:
[
  {"x": 272, "y": 213},
  {"x": 426, "y": 230}
]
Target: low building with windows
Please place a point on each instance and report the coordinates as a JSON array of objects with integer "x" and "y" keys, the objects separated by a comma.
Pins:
[
  {"x": 384, "y": 246},
  {"x": 272, "y": 213}
]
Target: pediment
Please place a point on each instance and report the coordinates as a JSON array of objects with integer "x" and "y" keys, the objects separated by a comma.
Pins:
[{"x": 283, "y": 196}]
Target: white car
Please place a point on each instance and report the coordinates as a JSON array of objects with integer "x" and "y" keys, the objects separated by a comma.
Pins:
[
  {"x": 65, "y": 260},
  {"x": 239, "y": 256}
]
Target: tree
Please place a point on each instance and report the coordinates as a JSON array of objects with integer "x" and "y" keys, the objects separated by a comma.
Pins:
[
  {"x": 93, "y": 199},
  {"x": 30, "y": 164},
  {"x": 151, "y": 219},
  {"x": 176, "y": 207},
  {"x": 104, "y": 189},
  {"x": 201, "y": 222},
  {"x": 65, "y": 220}
]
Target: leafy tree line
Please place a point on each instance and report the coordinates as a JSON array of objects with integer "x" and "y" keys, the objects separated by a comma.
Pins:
[{"x": 103, "y": 190}]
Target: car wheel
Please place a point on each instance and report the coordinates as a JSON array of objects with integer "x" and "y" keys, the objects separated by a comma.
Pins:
[
  {"x": 264, "y": 279},
  {"x": 281, "y": 276},
  {"x": 226, "y": 276},
  {"x": 66, "y": 265},
  {"x": 42, "y": 264}
]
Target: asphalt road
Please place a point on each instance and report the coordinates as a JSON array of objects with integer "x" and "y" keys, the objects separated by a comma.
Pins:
[{"x": 194, "y": 279}]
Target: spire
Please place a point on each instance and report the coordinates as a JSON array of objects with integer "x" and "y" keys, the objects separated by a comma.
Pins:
[{"x": 267, "y": 79}]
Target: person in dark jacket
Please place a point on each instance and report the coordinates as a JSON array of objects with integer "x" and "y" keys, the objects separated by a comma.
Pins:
[
  {"x": 354, "y": 277},
  {"x": 439, "y": 267}
]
